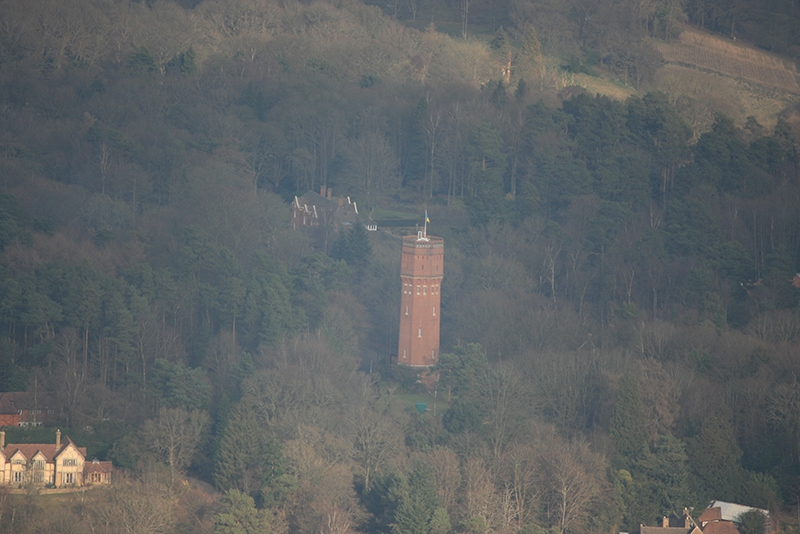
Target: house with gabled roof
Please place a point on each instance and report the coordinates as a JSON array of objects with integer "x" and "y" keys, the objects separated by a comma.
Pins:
[
  {"x": 323, "y": 209},
  {"x": 673, "y": 524},
  {"x": 59, "y": 464},
  {"x": 723, "y": 517},
  {"x": 324, "y": 214}
]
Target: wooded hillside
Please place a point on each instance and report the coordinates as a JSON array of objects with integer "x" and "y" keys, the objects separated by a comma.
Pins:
[{"x": 619, "y": 319}]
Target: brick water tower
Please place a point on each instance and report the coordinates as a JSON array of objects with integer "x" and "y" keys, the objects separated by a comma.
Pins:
[{"x": 421, "y": 270}]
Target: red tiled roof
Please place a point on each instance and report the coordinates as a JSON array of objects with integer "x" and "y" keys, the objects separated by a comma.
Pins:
[
  {"x": 710, "y": 514},
  {"x": 29, "y": 450},
  {"x": 720, "y": 527},
  {"x": 664, "y": 530},
  {"x": 97, "y": 466},
  {"x": 49, "y": 450}
]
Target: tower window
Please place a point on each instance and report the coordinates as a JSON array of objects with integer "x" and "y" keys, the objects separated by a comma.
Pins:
[
  {"x": 417, "y": 290},
  {"x": 420, "y": 333},
  {"x": 434, "y": 310},
  {"x": 424, "y": 290},
  {"x": 407, "y": 311}
]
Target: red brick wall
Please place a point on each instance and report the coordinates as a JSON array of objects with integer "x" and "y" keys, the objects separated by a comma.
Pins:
[{"x": 421, "y": 272}]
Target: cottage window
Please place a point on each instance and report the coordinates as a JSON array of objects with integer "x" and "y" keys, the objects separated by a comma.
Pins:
[
  {"x": 69, "y": 478},
  {"x": 70, "y": 461},
  {"x": 17, "y": 476},
  {"x": 38, "y": 464}
]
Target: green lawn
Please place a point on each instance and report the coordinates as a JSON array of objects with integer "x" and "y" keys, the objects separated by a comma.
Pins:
[{"x": 410, "y": 400}]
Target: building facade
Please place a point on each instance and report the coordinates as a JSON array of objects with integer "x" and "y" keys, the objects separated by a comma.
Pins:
[
  {"x": 421, "y": 273},
  {"x": 24, "y": 409},
  {"x": 59, "y": 464}
]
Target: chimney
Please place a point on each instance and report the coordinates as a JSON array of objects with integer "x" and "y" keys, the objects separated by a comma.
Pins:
[
  {"x": 58, "y": 439},
  {"x": 2, "y": 439},
  {"x": 322, "y": 191},
  {"x": 330, "y": 192},
  {"x": 665, "y": 522}
]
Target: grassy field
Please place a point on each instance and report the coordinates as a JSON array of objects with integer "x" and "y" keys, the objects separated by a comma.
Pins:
[
  {"x": 603, "y": 86},
  {"x": 700, "y": 50},
  {"x": 718, "y": 74}
]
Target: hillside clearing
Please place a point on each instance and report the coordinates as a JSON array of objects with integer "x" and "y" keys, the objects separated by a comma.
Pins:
[{"x": 702, "y": 51}]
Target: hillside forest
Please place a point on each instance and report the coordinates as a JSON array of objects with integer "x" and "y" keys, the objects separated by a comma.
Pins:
[{"x": 620, "y": 321}]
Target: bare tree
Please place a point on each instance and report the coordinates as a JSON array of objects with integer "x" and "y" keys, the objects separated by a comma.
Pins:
[
  {"x": 574, "y": 476},
  {"x": 175, "y": 435},
  {"x": 480, "y": 494},
  {"x": 133, "y": 507},
  {"x": 375, "y": 440},
  {"x": 520, "y": 470},
  {"x": 465, "y": 6},
  {"x": 447, "y": 472}
]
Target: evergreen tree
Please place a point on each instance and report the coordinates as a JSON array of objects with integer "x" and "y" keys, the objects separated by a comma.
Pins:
[
  {"x": 752, "y": 522},
  {"x": 178, "y": 386},
  {"x": 10, "y": 231},
  {"x": 714, "y": 457},
  {"x": 627, "y": 429},
  {"x": 237, "y": 459},
  {"x": 238, "y": 515},
  {"x": 246, "y": 460},
  {"x": 440, "y": 522},
  {"x": 415, "y": 513},
  {"x": 487, "y": 166},
  {"x": 354, "y": 248},
  {"x": 665, "y": 477},
  {"x": 386, "y": 495},
  {"x": 460, "y": 370}
]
